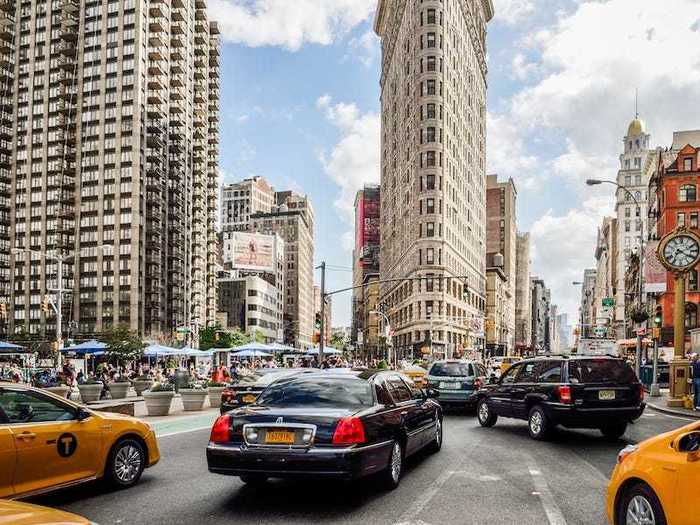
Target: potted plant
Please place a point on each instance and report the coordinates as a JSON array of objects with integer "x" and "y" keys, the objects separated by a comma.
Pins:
[
  {"x": 90, "y": 390},
  {"x": 193, "y": 396},
  {"x": 142, "y": 383},
  {"x": 215, "y": 389},
  {"x": 119, "y": 388},
  {"x": 58, "y": 387},
  {"x": 159, "y": 398}
]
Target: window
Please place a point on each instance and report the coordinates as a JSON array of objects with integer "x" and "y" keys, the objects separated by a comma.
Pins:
[
  {"x": 383, "y": 396},
  {"x": 691, "y": 315},
  {"x": 430, "y": 113},
  {"x": 30, "y": 407},
  {"x": 509, "y": 376},
  {"x": 430, "y": 87},
  {"x": 680, "y": 219},
  {"x": 431, "y": 39},
  {"x": 688, "y": 193},
  {"x": 694, "y": 220},
  {"x": 431, "y": 16},
  {"x": 431, "y": 63},
  {"x": 398, "y": 389},
  {"x": 687, "y": 164},
  {"x": 549, "y": 372},
  {"x": 693, "y": 281},
  {"x": 528, "y": 373},
  {"x": 430, "y": 182}
]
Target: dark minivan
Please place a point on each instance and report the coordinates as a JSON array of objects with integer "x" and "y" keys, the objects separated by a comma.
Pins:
[{"x": 599, "y": 392}]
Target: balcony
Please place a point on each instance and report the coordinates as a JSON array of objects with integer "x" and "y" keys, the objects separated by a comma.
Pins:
[{"x": 70, "y": 6}]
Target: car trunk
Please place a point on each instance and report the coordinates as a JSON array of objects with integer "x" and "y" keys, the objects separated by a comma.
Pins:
[
  {"x": 599, "y": 383},
  {"x": 273, "y": 422}
]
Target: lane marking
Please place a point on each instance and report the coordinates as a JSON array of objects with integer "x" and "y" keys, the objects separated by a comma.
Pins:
[
  {"x": 409, "y": 517},
  {"x": 551, "y": 509},
  {"x": 186, "y": 431}
]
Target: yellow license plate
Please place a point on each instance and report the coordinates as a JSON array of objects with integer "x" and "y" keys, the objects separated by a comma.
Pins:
[
  {"x": 279, "y": 437},
  {"x": 249, "y": 399},
  {"x": 606, "y": 395}
]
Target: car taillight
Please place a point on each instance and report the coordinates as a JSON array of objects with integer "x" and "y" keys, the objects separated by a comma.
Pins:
[
  {"x": 220, "y": 432},
  {"x": 641, "y": 392},
  {"x": 565, "y": 394},
  {"x": 349, "y": 431}
]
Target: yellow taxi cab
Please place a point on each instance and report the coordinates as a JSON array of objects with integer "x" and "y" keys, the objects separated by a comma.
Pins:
[
  {"x": 16, "y": 513},
  {"x": 418, "y": 374},
  {"x": 508, "y": 361},
  {"x": 47, "y": 443},
  {"x": 656, "y": 482}
]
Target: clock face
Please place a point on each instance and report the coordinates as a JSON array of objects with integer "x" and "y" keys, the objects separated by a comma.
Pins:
[{"x": 681, "y": 251}]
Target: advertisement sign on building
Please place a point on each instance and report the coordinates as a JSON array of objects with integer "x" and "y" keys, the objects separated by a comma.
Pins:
[
  {"x": 251, "y": 251},
  {"x": 654, "y": 271},
  {"x": 368, "y": 213}
]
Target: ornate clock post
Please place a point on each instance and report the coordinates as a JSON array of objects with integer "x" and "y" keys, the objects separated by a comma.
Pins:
[{"x": 679, "y": 252}]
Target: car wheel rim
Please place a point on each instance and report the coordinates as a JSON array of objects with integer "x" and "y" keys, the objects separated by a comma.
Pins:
[
  {"x": 483, "y": 411},
  {"x": 639, "y": 512},
  {"x": 536, "y": 423},
  {"x": 127, "y": 463},
  {"x": 438, "y": 433},
  {"x": 396, "y": 463}
]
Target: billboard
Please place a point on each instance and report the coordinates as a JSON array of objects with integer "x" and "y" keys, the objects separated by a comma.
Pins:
[
  {"x": 367, "y": 228},
  {"x": 251, "y": 251},
  {"x": 654, "y": 271}
]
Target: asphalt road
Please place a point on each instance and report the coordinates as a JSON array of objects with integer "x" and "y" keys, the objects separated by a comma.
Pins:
[{"x": 494, "y": 476}]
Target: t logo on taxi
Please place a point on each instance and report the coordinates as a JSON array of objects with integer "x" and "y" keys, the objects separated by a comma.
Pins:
[{"x": 66, "y": 445}]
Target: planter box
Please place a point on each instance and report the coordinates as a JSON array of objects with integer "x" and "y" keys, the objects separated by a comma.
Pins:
[
  {"x": 90, "y": 393},
  {"x": 193, "y": 400},
  {"x": 61, "y": 391},
  {"x": 141, "y": 386},
  {"x": 158, "y": 403},
  {"x": 215, "y": 396},
  {"x": 119, "y": 390}
]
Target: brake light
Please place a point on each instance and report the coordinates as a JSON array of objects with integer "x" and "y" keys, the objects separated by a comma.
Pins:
[
  {"x": 641, "y": 392},
  {"x": 220, "y": 432},
  {"x": 565, "y": 394},
  {"x": 349, "y": 431}
]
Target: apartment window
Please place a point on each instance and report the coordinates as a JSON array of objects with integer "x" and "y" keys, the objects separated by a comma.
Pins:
[
  {"x": 627, "y": 213},
  {"x": 680, "y": 219},
  {"x": 430, "y": 229},
  {"x": 687, "y": 164},
  {"x": 688, "y": 193},
  {"x": 432, "y": 63},
  {"x": 431, "y": 16},
  {"x": 694, "y": 220},
  {"x": 430, "y": 134},
  {"x": 430, "y": 87},
  {"x": 628, "y": 226},
  {"x": 430, "y": 111},
  {"x": 627, "y": 164},
  {"x": 430, "y": 182},
  {"x": 430, "y": 158},
  {"x": 430, "y": 206},
  {"x": 693, "y": 281},
  {"x": 628, "y": 180},
  {"x": 431, "y": 39},
  {"x": 637, "y": 180}
]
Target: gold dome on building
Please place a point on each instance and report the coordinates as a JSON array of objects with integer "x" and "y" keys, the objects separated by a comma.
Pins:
[{"x": 636, "y": 127}]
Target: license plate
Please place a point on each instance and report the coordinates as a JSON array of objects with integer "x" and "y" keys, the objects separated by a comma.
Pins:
[
  {"x": 250, "y": 398},
  {"x": 450, "y": 386},
  {"x": 606, "y": 395},
  {"x": 279, "y": 437}
]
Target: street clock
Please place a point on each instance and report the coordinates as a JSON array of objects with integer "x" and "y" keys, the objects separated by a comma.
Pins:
[{"x": 679, "y": 251}]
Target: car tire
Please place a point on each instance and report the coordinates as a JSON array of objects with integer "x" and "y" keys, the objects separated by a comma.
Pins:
[
  {"x": 436, "y": 442},
  {"x": 614, "y": 431},
  {"x": 125, "y": 463},
  {"x": 640, "y": 500},
  {"x": 484, "y": 413},
  {"x": 254, "y": 479},
  {"x": 391, "y": 475},
  {"x": 538, "y": 424}
]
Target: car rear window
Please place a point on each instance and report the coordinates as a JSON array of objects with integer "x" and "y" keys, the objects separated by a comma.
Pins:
[
  {"x": 451, "y": 369},
  {"x": 601, "y": 371},
  {"x": 335, "y": 391}
]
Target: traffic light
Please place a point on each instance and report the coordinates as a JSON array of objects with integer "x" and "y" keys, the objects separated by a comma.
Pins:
[
  {"x": 317, "y": 338},
  {"x": 45, "y": 306},
  {"x": 318, "y": 320},
  {"x": 3, "y": 310},
  {"x": 659, "y": 317}
]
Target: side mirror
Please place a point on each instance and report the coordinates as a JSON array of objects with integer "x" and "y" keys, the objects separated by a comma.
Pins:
[
  {"x": 83, "y": 414},
  {"x": 688, "y": 444}
]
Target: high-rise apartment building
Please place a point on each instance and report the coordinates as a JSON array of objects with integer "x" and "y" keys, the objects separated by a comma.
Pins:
[
  {"x": 241, "y": 200},
  {"x": 433, "y": 96},
  {"x": 292, "y": 218},
  {"x": 540, "y": 301},
  {"x": 523, "y": 314},
  {"x": 501, "y": 237},
  {"x": 113, "y": 106},
  {"x": 588, "y": 310}
]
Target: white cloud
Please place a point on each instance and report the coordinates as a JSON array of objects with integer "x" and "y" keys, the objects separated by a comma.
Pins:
[
  {"x": 366, "y": 48},
  {"x": 288, "y": 23},
  {"x": 506, "y": 151},
  {"x": 355, "y": 159},
  {"x": 521, "y": 69},
  {"x": 511, "y": 12},
  {"x": 242, "y": 119}
]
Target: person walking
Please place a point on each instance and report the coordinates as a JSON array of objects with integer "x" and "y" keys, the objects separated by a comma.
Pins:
[{"x": 696, "y": 381}]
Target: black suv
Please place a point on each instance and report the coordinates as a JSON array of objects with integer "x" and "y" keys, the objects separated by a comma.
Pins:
[{"x": 575, "y": 392}]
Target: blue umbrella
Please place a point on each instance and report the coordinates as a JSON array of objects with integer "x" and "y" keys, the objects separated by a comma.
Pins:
[
  {"x": 160, "y": 350},
  {"x": 91, "y": 347},
  {"x": 252, "y": 346},
  {"x": 10, "y": 348},
  {"x": 251, "y": 353}
]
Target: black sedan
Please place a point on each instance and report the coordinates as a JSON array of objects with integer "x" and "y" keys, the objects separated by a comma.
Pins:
[
  {"x": 246, "y": 389},
  {"x": 340, "y": 425}
]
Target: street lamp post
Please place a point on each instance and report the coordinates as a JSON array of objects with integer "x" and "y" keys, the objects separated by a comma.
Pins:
[
  {"x": 595, "y": 182},
  {"x": 387, "y": 336},
  {"x": 581, "y": 321}
]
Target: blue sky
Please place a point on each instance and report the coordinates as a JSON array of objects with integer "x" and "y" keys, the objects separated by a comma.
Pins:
[{"x": 300, "y": 106}]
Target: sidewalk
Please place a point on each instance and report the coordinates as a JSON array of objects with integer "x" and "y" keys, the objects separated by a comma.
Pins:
[{"x": 660, "y": 404}]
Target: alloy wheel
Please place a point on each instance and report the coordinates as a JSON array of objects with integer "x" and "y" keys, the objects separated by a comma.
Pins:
[
  {"x": 536, "y": 423},
  {"x": 640, "y": 512},
  {"x": 127, "y": 463},
  {"x": 396, "y": 462},
  {"x": 483, "y": 411},
  {"x": 438, "y": 433}
]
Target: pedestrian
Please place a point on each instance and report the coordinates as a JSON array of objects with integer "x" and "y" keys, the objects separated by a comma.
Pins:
[{"x": 696, "y": 381}]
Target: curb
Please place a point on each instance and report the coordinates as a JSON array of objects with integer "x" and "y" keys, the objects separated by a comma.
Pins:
[{"x": 665, "y": 410}]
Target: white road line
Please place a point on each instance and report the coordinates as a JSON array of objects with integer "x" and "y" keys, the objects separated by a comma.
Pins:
[
  {"x": 208, "y": 427},
  {"x": 551, "y": 508},
  {"x": 409, "y": 517}
]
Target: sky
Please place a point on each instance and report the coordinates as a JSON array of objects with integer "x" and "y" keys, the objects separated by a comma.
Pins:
[{"x": 300, "y": 106}]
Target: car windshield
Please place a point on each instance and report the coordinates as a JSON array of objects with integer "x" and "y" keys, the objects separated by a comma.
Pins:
[
  {"x": 450, "y": 370},
  {"x": 601, "y": 371},
  {"x": 324, "y": 392}
]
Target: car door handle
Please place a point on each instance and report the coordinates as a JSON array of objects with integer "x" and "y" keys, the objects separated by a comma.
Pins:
[
  {"x": 670, "y": 469},
  {"x": 26, "y": 435},
  {"x": 404, "y": 413}
]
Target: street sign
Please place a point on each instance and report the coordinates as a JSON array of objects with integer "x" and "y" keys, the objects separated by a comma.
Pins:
[
  {"x": 608, "y": 302},
  {"x": 183, "y": 330}
]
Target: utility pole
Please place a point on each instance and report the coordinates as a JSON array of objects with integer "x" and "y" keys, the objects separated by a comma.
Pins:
[
  {"x": 322, "y": 338},
  {"x": 59, "y": 308}
]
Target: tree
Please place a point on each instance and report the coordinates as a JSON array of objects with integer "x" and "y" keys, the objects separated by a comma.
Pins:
[
  {"x": 123, "y": 345},
  {"x": 216, "y": 337},
  {"x": 338, "y": 341}
]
